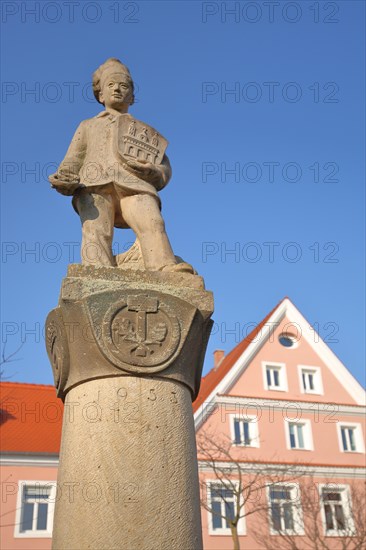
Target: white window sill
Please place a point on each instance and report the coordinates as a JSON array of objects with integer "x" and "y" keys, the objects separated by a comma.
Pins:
[
  {"x": 339, "y": 534},
  {"x": 33, "y": 535},
  {"x": 220, "y": 532},
  {"x": 224, "y": 533}
]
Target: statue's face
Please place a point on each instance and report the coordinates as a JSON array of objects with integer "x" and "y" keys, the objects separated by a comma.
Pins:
[{"x": 116, "y": 91}]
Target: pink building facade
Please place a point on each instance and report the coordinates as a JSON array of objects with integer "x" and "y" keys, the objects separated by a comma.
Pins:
[
  {"x": 280, "y": 417},
  {"x": 283, "y": 410}
]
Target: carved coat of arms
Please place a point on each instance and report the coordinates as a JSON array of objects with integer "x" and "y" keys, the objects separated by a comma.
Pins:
[
  {"x": 141, "y": 332},
  {"x": 137, "y": 140}
]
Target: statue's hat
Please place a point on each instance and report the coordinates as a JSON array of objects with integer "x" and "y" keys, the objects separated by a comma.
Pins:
[{"x": 111, "y": 66}]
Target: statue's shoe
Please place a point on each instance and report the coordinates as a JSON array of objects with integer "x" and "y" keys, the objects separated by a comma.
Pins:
[{"x": 182, "y": 267}]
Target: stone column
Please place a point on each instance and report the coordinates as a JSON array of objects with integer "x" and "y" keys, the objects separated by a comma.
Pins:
[{"x": 127, "y": 350}]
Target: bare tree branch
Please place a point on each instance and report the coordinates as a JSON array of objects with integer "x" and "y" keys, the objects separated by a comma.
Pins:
[
  {"x": 8, "y": 359},
  {"x": 247, "y": 488}
]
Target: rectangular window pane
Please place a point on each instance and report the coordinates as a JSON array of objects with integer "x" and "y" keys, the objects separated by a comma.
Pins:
[
  {"x": 237, "y": 432},
  {"x": 246, "y": 433},
  {"x": 328, "y": 517},
  {"x": 276, "y": 377},
  {"x": 27, "y": 516},
  {"x": 341, "y": 523},
  {"x": 216, "y": 515},
  {"x": 300, "y": 436},
  {"x": 292, "y": 436},
  {"x": 304, "y": 381},
  {"x": 344, "y": 440},
  {"x": 276, "y": 516},
  {"x": 287, "y": 513},
  {"x": 280, "y": 493},
  {"x": 311, "y": 381},
  {"x": 332, "y": 496},
  {"x": 42, "y": 516},
  {"x": 229, "y": 512},
  {"x": 31, "y": 493},
  {"x": 352, "y": 439},
  {"x": 37, "y": 492},
  {"x": 269, "y": 378}
]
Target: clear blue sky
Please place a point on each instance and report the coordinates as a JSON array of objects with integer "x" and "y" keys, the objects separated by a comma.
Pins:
[{"x": 291, "y": 131}]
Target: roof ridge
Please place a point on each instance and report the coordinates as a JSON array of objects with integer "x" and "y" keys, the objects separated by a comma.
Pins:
[
  {"x": 247, "y": 340},
  {"x": 209, "y": 380}
]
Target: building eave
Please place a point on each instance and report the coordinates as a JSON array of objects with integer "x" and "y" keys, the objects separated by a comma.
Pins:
[{"x": 44, "y": 460}]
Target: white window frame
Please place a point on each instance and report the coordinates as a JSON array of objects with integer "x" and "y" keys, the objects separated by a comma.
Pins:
[
  {"x": 281, "y": 367},
  {"x": 294, "y": 488},
  {"x": 253, "y": 429},
  {"x": 359, "y": 441},
  {"x": 224, "y": 530},
  {"x": 316, "y": 371},
  {"x": 344, "y": 490},
  {"x": 307, "y": 434},
  {"x": 47, "y": 533}
]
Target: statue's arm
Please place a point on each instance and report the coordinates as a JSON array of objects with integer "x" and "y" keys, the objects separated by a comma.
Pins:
[
  {"x": 66, "y": 180},
  {"x": 156, "y": 174}
]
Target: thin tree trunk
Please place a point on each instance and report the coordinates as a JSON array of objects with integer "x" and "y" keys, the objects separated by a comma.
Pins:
[{"x": 234, "y": 534}]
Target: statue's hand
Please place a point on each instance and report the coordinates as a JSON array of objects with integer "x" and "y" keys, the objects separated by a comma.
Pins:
[
  {"x": 146, "y": 169},
  {"x": 64, "y": 184},
  {"x": 66, "y": 188}
]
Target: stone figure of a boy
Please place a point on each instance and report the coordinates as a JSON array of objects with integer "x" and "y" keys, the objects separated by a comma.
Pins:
[{"x": 111, "y": 191}]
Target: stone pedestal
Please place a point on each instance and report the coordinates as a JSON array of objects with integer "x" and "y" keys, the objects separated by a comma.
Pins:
[{"x": 127, "y": 350}]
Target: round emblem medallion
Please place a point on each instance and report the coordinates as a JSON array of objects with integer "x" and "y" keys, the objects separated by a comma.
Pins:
[{"x": 141, "y": 332}]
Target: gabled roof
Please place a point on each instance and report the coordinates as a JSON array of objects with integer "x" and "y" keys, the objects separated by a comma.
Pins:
[
  {"x": 212, "y": 378},
  {"x": 30, "y": 418},
  {"x": 220, "y": 379}
]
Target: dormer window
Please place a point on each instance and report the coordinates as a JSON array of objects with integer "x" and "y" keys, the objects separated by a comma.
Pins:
[
  {"x": 274, "y": 376},
  {"x": 310, "y": 380}
]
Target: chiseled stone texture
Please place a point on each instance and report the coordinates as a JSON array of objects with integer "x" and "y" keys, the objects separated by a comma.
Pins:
[{"x": 128, "y": 472}]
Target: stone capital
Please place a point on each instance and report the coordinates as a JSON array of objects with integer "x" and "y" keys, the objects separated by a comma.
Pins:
[{"x": 111, "y": 322}]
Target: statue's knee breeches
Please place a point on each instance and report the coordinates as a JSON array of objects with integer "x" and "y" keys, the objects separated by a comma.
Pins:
[
  {"x": 142, "y": 213},
  {"x": 96, "y": 213}
]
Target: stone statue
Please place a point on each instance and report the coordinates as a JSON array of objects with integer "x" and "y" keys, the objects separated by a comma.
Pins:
[{"x": 114, "y": 168}]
